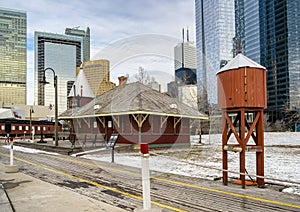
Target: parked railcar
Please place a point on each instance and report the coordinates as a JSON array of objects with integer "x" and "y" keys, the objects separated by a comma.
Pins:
[{"x": 21, "y": 128}]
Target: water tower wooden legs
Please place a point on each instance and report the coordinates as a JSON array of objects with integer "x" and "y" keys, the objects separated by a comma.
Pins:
[
  {"x": 260, "y": 155},
  {"x": 238, "y": 127},
  {"x": 224, "y": 152}
]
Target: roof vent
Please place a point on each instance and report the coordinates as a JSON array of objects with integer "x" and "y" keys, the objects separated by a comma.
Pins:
[
  {"x": 173, "y": 106},
  {"x": 96, "y": 107}
]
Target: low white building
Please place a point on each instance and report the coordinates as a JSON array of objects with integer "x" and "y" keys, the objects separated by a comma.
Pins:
[{"x": 187, "y": 94}]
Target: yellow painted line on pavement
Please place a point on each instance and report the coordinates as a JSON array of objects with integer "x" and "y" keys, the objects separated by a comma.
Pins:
[
  {"x": 193, "y": 186},
  {"x": 227, "y": 193},
  {"x": 94, "y": 165},
  {"x": 95, "y": 184}
]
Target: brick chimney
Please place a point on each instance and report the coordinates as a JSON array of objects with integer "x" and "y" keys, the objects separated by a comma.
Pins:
[{"x": 122, "y": 81}]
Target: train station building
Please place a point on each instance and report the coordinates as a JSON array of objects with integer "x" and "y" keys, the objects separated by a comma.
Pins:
[{"x": 137, "y": 113}]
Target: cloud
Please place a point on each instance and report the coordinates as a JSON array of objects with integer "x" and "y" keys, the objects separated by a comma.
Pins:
[
  {"x": 109, "y": 21},
  {"x": 153, "y": 52}
]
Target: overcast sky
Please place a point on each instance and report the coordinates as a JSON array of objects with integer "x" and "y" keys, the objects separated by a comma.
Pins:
[{"x": 115, "y": 25}]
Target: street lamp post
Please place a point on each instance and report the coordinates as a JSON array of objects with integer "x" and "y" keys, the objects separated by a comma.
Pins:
[
  {"x": 31, "y": 111},
  {"x": 56, "y": 104}
]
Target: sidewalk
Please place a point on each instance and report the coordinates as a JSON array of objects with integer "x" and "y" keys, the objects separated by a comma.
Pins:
[{"x": 30, "y": 194}]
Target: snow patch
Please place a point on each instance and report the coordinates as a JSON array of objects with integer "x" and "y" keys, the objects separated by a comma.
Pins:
[{"x": 29, "y": 150}]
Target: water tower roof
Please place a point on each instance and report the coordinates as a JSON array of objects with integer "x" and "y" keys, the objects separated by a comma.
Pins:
[{"x": 240, "y": 61}]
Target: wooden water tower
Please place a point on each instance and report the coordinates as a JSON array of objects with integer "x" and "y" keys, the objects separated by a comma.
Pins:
[{"x": 241, "y": 96}]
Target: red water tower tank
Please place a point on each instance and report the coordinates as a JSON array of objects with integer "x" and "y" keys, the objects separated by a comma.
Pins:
[{"x": 242, "y": 83}]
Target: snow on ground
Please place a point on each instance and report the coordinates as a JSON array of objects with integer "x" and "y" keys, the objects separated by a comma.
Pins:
[
  {"x": 28, "y": 150},
  {"x": 282, "y": 159}
]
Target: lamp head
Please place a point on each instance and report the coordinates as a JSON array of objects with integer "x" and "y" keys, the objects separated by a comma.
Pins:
[{"x": 44, "y": 81}]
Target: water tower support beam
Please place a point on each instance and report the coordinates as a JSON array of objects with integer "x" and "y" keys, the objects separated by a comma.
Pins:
[
  {"x": 238, "y": 128},
  {"x": 260, "y": 155},
  {"x": 224, "y": 152},
  {"x": 243, "y": 146}
]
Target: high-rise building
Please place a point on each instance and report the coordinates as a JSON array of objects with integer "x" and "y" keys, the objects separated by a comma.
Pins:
[
  {"x": 185, "y": 63},
  {"x": 215, "y": 29},
  {"x": 12, "y": 56},
  {"x": 86, "y": 40},
  {"x": 62, "y": 53},
  {"x": 239, "y": 38},
  {"x": 185, "y": 71},
  {"x": 271, "y": 38},
  {"x": 97, "y": 74},
  {"x": 188, "y": 50},
  {"x": 252, "y": 30},
  {"x": 280, "y": 53}
]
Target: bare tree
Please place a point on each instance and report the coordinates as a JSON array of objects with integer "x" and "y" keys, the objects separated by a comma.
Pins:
[{"x": 143, "y": 76}]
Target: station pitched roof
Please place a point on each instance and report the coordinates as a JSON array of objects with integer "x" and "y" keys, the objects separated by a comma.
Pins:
[{"x": 133, "y": 98}]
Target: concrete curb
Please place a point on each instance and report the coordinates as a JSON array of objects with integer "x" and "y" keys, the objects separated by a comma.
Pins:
[
  {"x": 11, "y": 169},
  {"x": 5, "y": 204}
]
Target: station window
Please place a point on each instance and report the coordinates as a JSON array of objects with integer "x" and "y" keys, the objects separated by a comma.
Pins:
[
  {"x": 20, "y": 127},
  {"x": 2, "y": 127},
  {"x": 26, "y": 127},
  {"x": 13, "y": 127}
]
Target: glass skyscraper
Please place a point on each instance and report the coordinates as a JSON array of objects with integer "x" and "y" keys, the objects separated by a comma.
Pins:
[
  {"x": 215, "y": 30},
  {"x": 12, "y": 57},
  {"x": 97, "y": 73},
  {"x": 62, "y": 53},
  {"x": 271, "y": 38},
  {"x": 185, "y": 63},
  {"x": 252, "y": 30},
  {"x": 280, "y": 54},
  {"x": 188, "y": 49},
  {"x": 86, "y": 40},
  {"x": 239, "y": 39}
]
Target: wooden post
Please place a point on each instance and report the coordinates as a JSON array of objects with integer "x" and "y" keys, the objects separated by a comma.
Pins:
[
  {"x": 224, "y": 152},
  {"x": 260, "y": 155},
  {"x": 242, "y": 154}
]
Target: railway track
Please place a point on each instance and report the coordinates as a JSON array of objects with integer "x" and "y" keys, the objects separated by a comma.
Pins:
[{"x": 121, "y": 186}]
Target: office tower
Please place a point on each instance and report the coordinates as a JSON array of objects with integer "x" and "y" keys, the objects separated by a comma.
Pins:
[
  {"x": 188, "y": 49},
  {"x": 280, "y": 53},
  {"x": 12, "y": 57},
  {"x": 185, "y": 72},
  {"x": 185, "y": 67},
  {"x": 215, "y": 29},
  {"x": 97, "y": 74},
  {"x": 86, "y": 40},
  {"x": 63, "y": 54},
  {"x": 251, "y": 30},
  {"x": 247, "y": 30},
  {"x": 239, "y": 38}
]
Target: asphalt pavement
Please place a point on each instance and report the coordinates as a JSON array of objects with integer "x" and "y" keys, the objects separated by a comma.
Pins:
[{"x": 20, "y": 192}]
